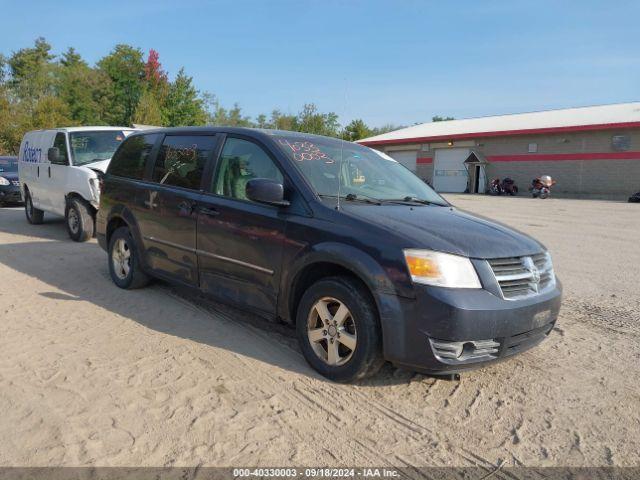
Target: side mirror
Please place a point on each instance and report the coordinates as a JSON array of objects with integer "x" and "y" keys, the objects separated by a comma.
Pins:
[
  {"x": 53, "y": 154},
  {"x": 264, "y": 190}
]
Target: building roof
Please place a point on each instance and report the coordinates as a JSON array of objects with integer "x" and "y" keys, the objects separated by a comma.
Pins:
[{"x": 601, "y": 117}]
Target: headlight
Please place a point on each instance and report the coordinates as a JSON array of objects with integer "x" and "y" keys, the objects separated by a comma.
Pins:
[
  {"x": 4, "y": 181},
  {"x": 548, "y": 267},
  {"x": 441, "y": 269}
]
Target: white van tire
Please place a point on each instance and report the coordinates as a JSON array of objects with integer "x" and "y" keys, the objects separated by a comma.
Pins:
[
  {"x": 79, "y": 220},
  {"x": 34, "y": 215}
]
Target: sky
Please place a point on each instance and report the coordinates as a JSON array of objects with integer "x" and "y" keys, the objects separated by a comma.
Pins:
[{"x": 398, "y": 62}]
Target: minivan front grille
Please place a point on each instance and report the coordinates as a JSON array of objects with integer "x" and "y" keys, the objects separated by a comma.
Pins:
[{"x": 520, "y": 277}]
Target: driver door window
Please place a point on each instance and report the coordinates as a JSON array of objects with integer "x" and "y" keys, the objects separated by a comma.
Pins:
[
  {"x": 60, "y": 143},
  {"x": 241, "y": 161}
]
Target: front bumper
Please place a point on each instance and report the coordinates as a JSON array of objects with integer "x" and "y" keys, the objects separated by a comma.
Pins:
[
  {"x": 451, "y": 330},
  {"x": 10, "y": 194}
]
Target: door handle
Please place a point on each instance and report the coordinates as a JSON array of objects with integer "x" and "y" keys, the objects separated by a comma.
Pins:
[
  {"x": 49, "y": 172},
  {"x": 210, "y": 212},
  {"x": 187, "y": 206},
  {"x": 38, "y": 171}
]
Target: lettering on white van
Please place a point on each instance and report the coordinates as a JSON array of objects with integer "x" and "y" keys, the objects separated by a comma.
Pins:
[{"x": 31, "y": 154}]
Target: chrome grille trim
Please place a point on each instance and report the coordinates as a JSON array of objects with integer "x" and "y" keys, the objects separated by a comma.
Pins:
[
  {"x": 466, "y": 350},
  {"x": 522, "y": 277}
]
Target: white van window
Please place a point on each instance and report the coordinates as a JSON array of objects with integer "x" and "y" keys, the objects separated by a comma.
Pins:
[
  {"x": 60, "y": 143},
  {"x": 89, "y": 147}
]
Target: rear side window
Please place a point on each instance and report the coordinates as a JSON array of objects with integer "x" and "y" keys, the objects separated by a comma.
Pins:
[
  {"x": 130, "y": 159},
  {"x": 182, "y": 159}
]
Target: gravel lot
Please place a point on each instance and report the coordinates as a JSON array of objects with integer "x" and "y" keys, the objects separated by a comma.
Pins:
[{"x": 92, "y": 375}]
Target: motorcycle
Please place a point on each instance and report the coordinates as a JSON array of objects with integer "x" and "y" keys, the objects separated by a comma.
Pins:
[
  {"x": 506, "y": 187},
  {"x": 495, "y": 188},
  {"x": 541, "y": 186},
  {"x": 509, "y": 187}
]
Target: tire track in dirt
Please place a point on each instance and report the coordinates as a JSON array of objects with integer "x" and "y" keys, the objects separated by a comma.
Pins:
[
  {"x": 297, "y": 392},
  {"x": 314, "y": 396}
]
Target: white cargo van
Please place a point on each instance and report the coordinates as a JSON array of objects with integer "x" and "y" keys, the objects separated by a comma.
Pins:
[{"x": 59, "y": 172}]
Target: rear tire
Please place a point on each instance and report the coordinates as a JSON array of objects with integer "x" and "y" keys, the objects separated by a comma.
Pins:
[
  {"x": 355, "y": 342},
  {"x": 34, "y": 215},
  {"x": 79, "y": 217},
  {"x": 124, "y": 265}
]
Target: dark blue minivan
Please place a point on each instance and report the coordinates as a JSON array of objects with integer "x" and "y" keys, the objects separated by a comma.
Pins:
[
  {"x": 9, "y": 182},
  {"x": 361, "y": 256}
]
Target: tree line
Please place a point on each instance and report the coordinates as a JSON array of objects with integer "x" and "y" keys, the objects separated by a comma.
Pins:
[{"x": 41, "y": 90}]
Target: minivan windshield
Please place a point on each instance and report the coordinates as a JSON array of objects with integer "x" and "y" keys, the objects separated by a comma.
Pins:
[
  {"x": 365, "y": 174},
  {"x": 94, "y": 146},
  {"x": 8, "y": 165}
]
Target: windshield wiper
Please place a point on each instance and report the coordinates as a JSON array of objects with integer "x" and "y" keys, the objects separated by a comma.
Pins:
[
  {"x": 352, "y": 197},
  {"x": 413, "y": 200}
]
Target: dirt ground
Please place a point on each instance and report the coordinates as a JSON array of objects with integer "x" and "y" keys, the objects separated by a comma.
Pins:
[{"x": 92, "y": 375}]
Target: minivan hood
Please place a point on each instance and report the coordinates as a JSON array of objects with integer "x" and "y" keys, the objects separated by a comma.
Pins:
[
  {"x": 447, "y": 229},
  {"x": 99, "y": 165}
]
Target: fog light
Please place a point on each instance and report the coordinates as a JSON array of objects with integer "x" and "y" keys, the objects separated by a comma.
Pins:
[
  {"x": 465, "y": 350},
  {"x": 468, "y": 348}
]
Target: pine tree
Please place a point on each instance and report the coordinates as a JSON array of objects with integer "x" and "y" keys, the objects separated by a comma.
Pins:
[
  {"x": 125, "y": 68},
  {"x": 184, "y": 105},
  {"x": 148, "y": 110},
  {"x": 85, "y": 90},
  {"x": 356, "y": 130}
]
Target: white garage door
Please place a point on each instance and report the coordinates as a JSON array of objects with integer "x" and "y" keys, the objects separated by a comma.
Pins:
[
  {"x": 449, "y": 174},
  {"x": 406, "y": 158}
]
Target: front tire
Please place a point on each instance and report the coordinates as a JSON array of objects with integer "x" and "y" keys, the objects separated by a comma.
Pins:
[
  {"x": 34, "y": 215},
  {"x": 79, "y": 217},
  {"x": 124, "y": 265},
  {"x": 338, "y": 330}
]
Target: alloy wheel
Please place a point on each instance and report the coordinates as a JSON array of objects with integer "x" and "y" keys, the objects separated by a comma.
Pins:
[
  {"x": 332, "y": 331},
  {"x": 121, "y": 258}
]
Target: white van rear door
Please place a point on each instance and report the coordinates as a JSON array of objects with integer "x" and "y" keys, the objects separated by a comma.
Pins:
[{"x": 34, "y": 165}]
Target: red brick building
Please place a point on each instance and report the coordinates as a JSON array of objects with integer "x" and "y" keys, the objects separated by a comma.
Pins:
[{"x": 590, "y": 151}]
